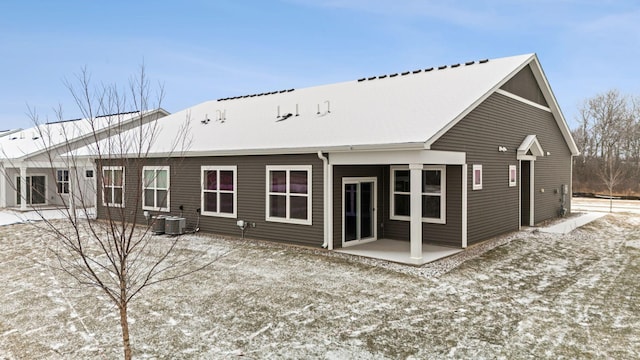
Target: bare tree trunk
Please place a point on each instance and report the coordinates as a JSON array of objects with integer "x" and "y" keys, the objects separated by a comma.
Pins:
[
  {"x": 124, "y": 324},
  {"x": 610, "y": 200}
]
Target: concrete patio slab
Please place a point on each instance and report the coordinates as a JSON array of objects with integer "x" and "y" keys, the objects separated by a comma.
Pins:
[{"x": 399, "y": 251}]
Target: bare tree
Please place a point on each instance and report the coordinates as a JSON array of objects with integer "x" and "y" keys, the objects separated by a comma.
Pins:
[
  {"x": 611, "y": 173},
  {"x": 113, "y": 254},
  {"x": 607, "y": 138}
]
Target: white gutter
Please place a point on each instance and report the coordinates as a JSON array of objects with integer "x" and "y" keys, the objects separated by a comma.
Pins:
[
  {"x": 272, "y": 151},
  {"x": 325, "y": 200}
]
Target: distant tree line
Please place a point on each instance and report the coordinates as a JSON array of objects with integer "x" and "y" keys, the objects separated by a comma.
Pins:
[{"x": 608, "y": 136}]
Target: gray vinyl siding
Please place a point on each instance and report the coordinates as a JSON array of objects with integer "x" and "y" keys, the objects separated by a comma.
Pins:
[
  {"x": 185, "y": 189},
  {"x": 448, "y": 234},
  {"x": 524, "y": 84},
  {"x": 502, "y": 121}
]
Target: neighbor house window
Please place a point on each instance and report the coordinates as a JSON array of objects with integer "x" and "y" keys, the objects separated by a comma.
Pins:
[
  {"x": 477, "y": 177},
  {"x": 113, "y": 186},
  {"x": 62, "y": 178},
  {"x": 219, "y": 190},
  {"x": 289, "y": 194},
  {"x": 155, "y": 188},
  {"x": 513, "y": 175},
  {"x": 433, "y": 194}
]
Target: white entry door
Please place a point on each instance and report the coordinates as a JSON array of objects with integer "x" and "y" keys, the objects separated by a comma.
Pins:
[{"x": 359, "y": 202}]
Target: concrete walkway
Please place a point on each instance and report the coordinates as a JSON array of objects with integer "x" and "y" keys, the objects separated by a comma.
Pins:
[
  {"x": 572, "y": 223},
  {"x": 10, "y": 216}
]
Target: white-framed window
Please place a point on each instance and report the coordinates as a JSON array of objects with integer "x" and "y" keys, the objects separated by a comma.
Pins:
[
  {"x": 219, "y": 191},
  {"x": 155, "y": 188},
  {"x": 513, "y": 176},
  {"x": 433, "y": 193},
  {"x": 477, "y": 177},
  {"x": 62, "y": 181},
  {"x": 289, "y": 194},
  {"x": 113, "y": 186}
]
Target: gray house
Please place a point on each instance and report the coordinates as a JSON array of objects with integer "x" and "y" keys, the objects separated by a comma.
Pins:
[{"x": 450, "y": 155}]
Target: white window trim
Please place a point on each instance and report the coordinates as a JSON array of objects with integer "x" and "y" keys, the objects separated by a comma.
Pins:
[
  {"x": 476, "y": 186},
  {"x": 513, "y": 182},
  {"x": 234, "y": 169},
  {"x": 288, "y": 169},
  {"x": 443, "y": 194},
  {"x": 155, "y": 169},
  {"x": 112, "y": 187},
  {"x": 68, "y": 182}
]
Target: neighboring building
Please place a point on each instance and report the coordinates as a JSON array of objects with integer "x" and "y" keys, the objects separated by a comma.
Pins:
[
  {"x": 32, "y": 169},
  {"x": 449, "y": 155},
  {"x": 8, "y": 132}
]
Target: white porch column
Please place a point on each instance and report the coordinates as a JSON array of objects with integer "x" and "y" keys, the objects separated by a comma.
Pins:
[
  {"x": 532, "y": 194},
  {"x": 415, "y": 178},
  {"x": 464, "y": 206},
  {"x": 3, "y": 187},
  {"x": 23, "y": 187},
  {"x": 330, "y": 205},
  {"x": 73, "y": 175}
]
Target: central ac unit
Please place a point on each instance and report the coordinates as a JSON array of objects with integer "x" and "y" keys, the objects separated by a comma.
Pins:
[
  {"x": 174, "y": 225},
  {"x": 158, "y": 224}
]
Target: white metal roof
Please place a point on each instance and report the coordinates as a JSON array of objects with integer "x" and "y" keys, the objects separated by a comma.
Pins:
[
  {"x": 394, "y": 110},
  {"x": 28, "y": 142}
]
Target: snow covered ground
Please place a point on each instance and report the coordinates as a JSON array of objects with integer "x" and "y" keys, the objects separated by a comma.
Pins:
[
  {"x": 602, "y": 205},
  {"x": 535, "y": 295}
]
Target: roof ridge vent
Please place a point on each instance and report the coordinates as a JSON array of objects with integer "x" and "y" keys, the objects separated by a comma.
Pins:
[
  {"x": 254, "y": 95},
  {"x": 118, "y": 113}
]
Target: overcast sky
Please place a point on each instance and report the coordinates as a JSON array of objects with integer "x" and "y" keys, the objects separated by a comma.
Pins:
[{"x": 201, "y": 50}]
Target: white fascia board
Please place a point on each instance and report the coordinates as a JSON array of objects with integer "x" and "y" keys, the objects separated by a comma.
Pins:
[
  {"x": 397, "y": 157},
  {"x": 284, "y": 151},
  {"x": 523, "y": 100},
  {"x": 45, "y": 164},
  {"x": 538, "y": 73},
  {"x": 476, "y": 103}
]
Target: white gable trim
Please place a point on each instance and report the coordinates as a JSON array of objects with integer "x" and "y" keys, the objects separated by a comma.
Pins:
[
  {"x": 532, "y": 144},
  {"x": 475, "y": 104},
  {"x": 522, "y": 100},
  {"x": 538, "y": 73}
]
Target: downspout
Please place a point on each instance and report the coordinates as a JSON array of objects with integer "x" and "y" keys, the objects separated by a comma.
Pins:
[{"x": 325, "y": 200}]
